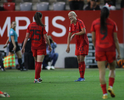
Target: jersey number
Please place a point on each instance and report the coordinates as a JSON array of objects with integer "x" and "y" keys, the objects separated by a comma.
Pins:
[
  {"x": 104, "y": 33},
  {"x": 36, "y": 32}
]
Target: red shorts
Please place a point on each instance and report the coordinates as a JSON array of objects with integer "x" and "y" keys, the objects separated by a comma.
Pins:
[
  {"x": 38, "y": 52},
  {"x": 105, "y": 56},
  {"x": 82, "y": 50}
]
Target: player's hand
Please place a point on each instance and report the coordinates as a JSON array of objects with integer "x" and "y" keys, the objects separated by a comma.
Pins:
[
  {"x": 23, "y": 50},
  {"x": 68, "y": 49},
  {"x": 72, "y": 37},
  {"x": 5, "y": 46},
  {"x": 50, "y": 48},
  {"x": 118, "y": 57},
  {"x": 14, "y": 48}
]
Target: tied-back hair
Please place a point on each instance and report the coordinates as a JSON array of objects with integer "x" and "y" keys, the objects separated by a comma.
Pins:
[
  {"x": 104, "y": 16},
  {"x": 37, "y": 17}
]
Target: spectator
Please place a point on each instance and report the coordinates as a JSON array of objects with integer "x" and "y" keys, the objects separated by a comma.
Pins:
[
  {"x": 76, "y": 4},
  {"x": 122, "y": 3},
  {"x": 92, "y": 5},
  {"x": 111, "y": 2},
  {"x": 51, "y": 56}
]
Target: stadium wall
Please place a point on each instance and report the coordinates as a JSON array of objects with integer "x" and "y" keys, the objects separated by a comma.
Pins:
[{"x": 57, "y": 25}]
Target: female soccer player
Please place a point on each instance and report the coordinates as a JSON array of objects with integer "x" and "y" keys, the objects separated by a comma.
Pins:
[
  {"x": 77, "y": 30},
  {"x": 13, "y": 44},
  {"x": 36, "y": 31},
  {"x": 104, "y": 38}
]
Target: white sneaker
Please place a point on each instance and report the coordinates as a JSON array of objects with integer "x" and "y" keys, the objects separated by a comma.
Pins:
[
  {"x": 48, "y": 67},
  {"x": 52, "y": 67}
]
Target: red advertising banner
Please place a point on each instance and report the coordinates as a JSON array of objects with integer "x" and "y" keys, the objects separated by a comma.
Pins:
[{"x": 57, "y": 23}]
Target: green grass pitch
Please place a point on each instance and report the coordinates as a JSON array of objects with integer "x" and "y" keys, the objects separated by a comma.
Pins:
[{"x": 58, "y": 84}]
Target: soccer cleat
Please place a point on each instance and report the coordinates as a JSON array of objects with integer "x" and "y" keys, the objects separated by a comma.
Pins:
[
  {"x": 110, "y": 90},
  {"x": 4, "y": 94},
  {"x": 105, "y": 96},
  {"x": 80, "y": 79},
  {"x": 40, "y": 80},
  {"x": 37, "y": 81}
]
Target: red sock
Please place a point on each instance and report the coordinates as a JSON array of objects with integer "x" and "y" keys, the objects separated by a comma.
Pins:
[
  {"x": 37, "y": 70},
  {"x": 35, "y": 64},
  {"x": 111, "y": 81},
  {"x": 103, "y": 86},
  {"x": 79, "y": 66},
  {"x": 82, "y": 69}
]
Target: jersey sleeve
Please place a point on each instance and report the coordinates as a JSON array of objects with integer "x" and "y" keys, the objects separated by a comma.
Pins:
[
  {"x": 115, "y": 27},
  {"x": 81, "y": 23},
  {"x": 27, "y": 31},
  {"x": 92, "y": 28},
  {"x": 12, "y": 33},
  {"x": 44, "y": 31}
]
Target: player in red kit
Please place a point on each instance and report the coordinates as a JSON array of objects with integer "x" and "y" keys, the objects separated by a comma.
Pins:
[
  {"x": 104, "y": 38},
  {"x": 36, "y": 31},
  {"x": 77, "y": 30}
]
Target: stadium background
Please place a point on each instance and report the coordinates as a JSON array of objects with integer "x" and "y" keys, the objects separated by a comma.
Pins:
[{"x": 57, "y": 25}]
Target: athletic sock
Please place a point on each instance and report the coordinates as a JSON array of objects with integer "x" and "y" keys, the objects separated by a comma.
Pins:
[
  {"x": 111, "y": 81},
  {"x": 82, "y": 69},
  {"x": 20, "y": 62},
  {"x": 103, "y": 86},
  {"x": 38, "y": 70}
]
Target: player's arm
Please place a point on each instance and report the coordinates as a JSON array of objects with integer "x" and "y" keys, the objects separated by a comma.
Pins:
[
  {"x": 25, "y": 41},
  {"x": 69, "y": 39},
  {"x": 83, "y": 31},
  {"x": 47, "y": 40},
  {"x": 116, "y": 43},
  {"x": 6, "y": 43},
  {"x": 93, "y": 38},
  {"x": 68, "y": 42}
]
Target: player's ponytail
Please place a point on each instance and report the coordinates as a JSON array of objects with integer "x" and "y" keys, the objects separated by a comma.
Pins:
[
  {"x": 37, "y": 17},
  {"x": 104, "y": 16}
]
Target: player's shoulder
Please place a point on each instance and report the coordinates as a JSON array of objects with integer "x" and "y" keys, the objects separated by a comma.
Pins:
[
  {"x": 79, "y": 20},
  {"x": 111, "y": 21},
  {"x": 96, "y": 21}
]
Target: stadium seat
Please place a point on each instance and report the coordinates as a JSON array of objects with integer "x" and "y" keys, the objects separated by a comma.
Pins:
[
  {"x": 44, "y": 0},
  {"x": 27, "y": 0},
  {"x": 10, "y": 6},
  {"x": 9, "y": 0},
  {"x": 35, "y": 1},
  {"x": 26, "y": 6},
  {"x": 43, "y": 6},
  {"x": 59, "y": 6}
]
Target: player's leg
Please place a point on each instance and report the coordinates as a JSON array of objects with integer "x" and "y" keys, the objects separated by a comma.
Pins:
[
  {"x": 112, "y": 63},
  {"x": 101, "y": 62},
  {"x": 40, "y": 57},
  {"x": 82, "y": 69},
  {"x": 102, "y": 70}
]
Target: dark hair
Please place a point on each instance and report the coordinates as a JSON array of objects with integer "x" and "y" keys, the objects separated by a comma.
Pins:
[
  {"x": 104, "y": 16},
  {"x": 37, "y": 17}
]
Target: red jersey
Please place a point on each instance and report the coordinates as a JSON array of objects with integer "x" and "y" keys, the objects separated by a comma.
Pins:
[
  {"x": 104, "y": 40},
  {"x": 36, "y": 34},
  {"x": 80, "y": 39}
]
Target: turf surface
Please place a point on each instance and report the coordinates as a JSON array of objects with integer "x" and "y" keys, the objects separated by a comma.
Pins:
[{"x": 58, "y": 84}]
